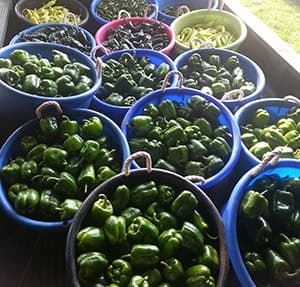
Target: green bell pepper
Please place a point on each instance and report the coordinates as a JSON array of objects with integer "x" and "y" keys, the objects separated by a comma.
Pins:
[
  {"x": 261, "y": 118},
  {"x": 68, "y": 127},
  {"x": 254, "y": 263},
  {"x": 68, "y": 208},
  {"x": 89, "y": 239},
  {"x": 184, "y": 204},
  {"x": 26, "y": 202},
  {"x": 48, "y": 204},
  {"x": 138, "y": 281},
  {"x": 10, "y": 173},
  {"x": 193, "y": 239},
  {"x": 130, "y": 213},
  {"x": 119, "y": 272},
  {"x": 199, "y": 275},
  {"x": 120, "y": 198},
  {"x": 289, "y": 249},
  {"x": 282, "y": 204},
  {"x": 167, "y": 109},
  {"x": 172, "y": 270},
  {"x": 55, "y": 157},
  {"x": 166, "y": 195},
  {"x": 209, "y": 257},
  {"x": 66, "y": 185},
  {"x": 141, "y": 125},
  {"x": 15, "y": 189},
  {"x": 28, "y": 169},
  {"x": 115, "y": 229},
  {"x": 86, "y": 179},
  {"x": 143, "y": 194},
  {"x": 89, "y": 151},
  {"x": 101, "y": 209},
  {"x": 169, "y": 242},
  {"x": 19, "y": 57}
]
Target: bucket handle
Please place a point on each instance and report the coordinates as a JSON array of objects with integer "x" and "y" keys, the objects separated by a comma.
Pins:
[
  {"x": 149, "y": 8},
  {"x": 228, "y": 94},
  {"x": 202, "y": 44},
  {"x": 99, "y": 65},
  {"x": 196, "y": 178},
  {"x": 183, "y": 9},
  {"x": 71, "y": 15},
  {"x": 39, "y": 110},
  {"x": 269, "y": 157},
  {"x": 96, "y": 48},
  {"x": 167, "y": 78},
  {"x": 123, "y": 12},
  {"x": 292, "y": 98},
  {"x": 135, "y": 156}
]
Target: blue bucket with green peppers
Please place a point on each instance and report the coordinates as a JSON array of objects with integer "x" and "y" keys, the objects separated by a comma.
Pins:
[
  {"x": 110, "y": 100},
  {"x": 241, "y": 74},
  {"x": 274, "y": 110},
  {"x": 168, "y": 8},
  {"x": 11, "y": 149},
  {"x": 21, "y": 89},
  {"x": 214, "y": 184},
  {"x": 254, "y": 263}
]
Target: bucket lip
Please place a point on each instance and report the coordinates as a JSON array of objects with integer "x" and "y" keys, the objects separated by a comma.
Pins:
[
  {"x": 76, "y": 3},
  {"x": 172, "y": 18},
  {"x": 17, "y": 134},
  {"x": 49, "y": 46},
  {"x": 261, "y": 103},
  {"x": 216, "y": 13},
  {"x": 141, "y": 52},
  {"x": 236, "y": 144},
  {"x": 103, "y": 21},
  {"x": 260, "y": 86},
  {"x": 230, "y": 214},
  {"x": 100, "y": 34},
  {"x": 200, "y": 194},
  {"x": 34, "y": 28}
]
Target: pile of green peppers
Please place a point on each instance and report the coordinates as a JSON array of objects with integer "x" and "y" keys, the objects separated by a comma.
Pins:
[
  {"x": 129, "y": 78},
  {"x": 262, "y": 134},
  {"x": 59, "y": 77},
  {"x": 58, "y": 165},
  {"x": 269, "y": 231},
  {"x": 214, "y": 77},
  {"x": 148, "y": 234},
  {"x": 109, "y": 10},
  {"x": 173, "y": 9},
  {"x": 185, "y": 139}
]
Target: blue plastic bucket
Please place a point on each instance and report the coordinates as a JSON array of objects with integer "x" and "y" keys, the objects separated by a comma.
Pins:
[
  {"x": 16, "y": 38},
  {"x": 215, "y": 185},
  {"x": 231, "y": 209},
  {"x": 17, "y": 107},
  {"x": 276, "y": 108},
  {"x": 100, "y": 21},
  {"x": 252, "y": 72},
  {"x": 192, "y": 4},
  {"x": 117, "y": 113},
  {"x": 10, "y": 149}
]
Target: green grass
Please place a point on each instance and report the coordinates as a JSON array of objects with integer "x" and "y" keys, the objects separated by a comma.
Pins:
[{"x": 282, "y": 16}]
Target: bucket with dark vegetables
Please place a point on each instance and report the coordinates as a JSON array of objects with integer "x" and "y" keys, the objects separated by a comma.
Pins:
[
  {"x": 127, "y": 76},
  {"x": 186, "y": 132},
  {"x": 32, "y": 12},
  {"x": 170, "y": 9},
  {"x": 262, "y": 224},
  {"x": 136, "y": 32},
  {"x": 221, "y": 72},
  {"x": 50, "y": 164},
  {"x": 147, "y": 227},
  {"x": 104, "y": 11},
  {"x": 33, "y": 73},
  {"x": 267, "y": 124},
  {"x": 64, "y": 34}
]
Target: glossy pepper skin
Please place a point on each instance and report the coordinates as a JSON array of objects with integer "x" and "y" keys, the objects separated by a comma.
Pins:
[
  {"x": 153, "y": 277},
  {"x": 48, "y": 204},
  {"x": 141, "y": 125},
  {"x": 49, "y": 126},
  {"x": 28, "y": 169},
  {"x": 138, "y": 281},
  {"x": 27, "y": 143},
  {"x": 172, "y": 269},
  {"x": 282, "y": 204},
  {"x": 184, "y": 204},
  {"x": 169, "y": 242},
  {"x": 92, "y": 128},
  {"x": 142, "y": 230},
  {"x": 254, "y": 263},
  {"x": 10, "y": 173},
  {"x": 89, "y": 151},
  {"x": 165, "y": 220},
  {"x": 90, "y": 265},
  {"x": 144, "y": 256},
  {"x": 143, "y": 194},
  {"x": 193, "y": 239},
  {"x": 209, "y": 257},
  {"x": 289, "y": 249},
  {"x": 27, "y": 201},
  {"x": 66, "y": 184},
  {"x": 220, "y": 148},
  {"x": 166, "y": 195},
  {"x": 101, "y": 209},
  {"x": 254, "y": 204},
  {"x": 120, "y": 198},
  {"x": 199, "y": 275},
  {"x": 15, "y": 189},
  {"x": 119, "y": 272},
  {"x": 87, "y": 178},
  {"x": 167, "y": 109},
  {"x": 90, "y": 238},
  {"x": 130, "y": 213},
  {"x": 55, "y": 157},
  {"x": 115, "y": 229},
  {"x": 68, "y": 208},
  {"x": 68, "y": 127},
  {"x": 261, "y": 118}
]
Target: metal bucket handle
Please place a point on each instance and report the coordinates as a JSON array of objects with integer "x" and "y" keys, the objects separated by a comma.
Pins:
[
  {"x": 183, "y": 9},
  {"x": 71, "y": 15},
  {"x": 96, "y": 48},
  {"x": 292, "y": 98},
  {"x": 125, "y": 12},
  {"x": 196, "y": 178},
  {"x": 228, "y": 94},
  {"x": 135, "y": 156}
]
